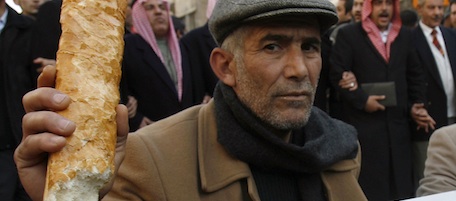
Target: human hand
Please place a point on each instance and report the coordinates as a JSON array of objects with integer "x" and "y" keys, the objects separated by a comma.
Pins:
[
  {"x": 43, "y": 62},
  {"x": 44, "y": 132},
  {"x": 206, "y": 99},
  {"x": 145, "y": 121},
  {"x": 372, "y": 104},
  {"x": 348, "y": 81},
  {"x": 132, "y": 106},
  {"x": 422, "y": 117}
]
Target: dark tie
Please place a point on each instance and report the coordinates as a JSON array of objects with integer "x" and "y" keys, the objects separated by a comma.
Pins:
[{"x": 436, "y": 42}]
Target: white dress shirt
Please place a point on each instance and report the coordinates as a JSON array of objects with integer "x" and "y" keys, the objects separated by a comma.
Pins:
[
  {"x": 443, "y": 65},
  {"x": 3, "y": 20}
]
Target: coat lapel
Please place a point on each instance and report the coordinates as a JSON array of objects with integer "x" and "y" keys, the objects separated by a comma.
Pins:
[
  {"x": 217, "y": 168},
  {"x": 11, "y": 30},
  {"x": 425, "y": 53},
  {"x": 371, "y": 45}
]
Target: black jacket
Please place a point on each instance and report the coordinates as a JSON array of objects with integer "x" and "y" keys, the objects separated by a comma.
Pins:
[
  {"x": 145, "y": 77},
  {"x": 198, "y": 45},
  {"x": 17, "y": 75},
  {"x": 47, "y": 30},
  {"x": 436, "y": 103}
]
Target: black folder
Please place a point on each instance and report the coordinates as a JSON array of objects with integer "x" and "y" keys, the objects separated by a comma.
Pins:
[{"x": 388, "y": 89}]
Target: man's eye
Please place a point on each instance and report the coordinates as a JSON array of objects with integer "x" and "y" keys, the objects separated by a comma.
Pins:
[
  {"x": 310, "y": 47},
  {"x": 272, "y": 47},
  {"x": 148, "y": 7}
]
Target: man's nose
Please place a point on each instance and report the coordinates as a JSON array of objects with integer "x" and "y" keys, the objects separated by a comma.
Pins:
[
  {"x": 438, "y": 10},
  {"x": 295, "y": 64},
  {"x": 158, "y": 9}
]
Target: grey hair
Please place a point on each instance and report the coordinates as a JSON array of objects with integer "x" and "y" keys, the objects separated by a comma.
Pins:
[
  {"x": 234, "y": 43},
  {"x": 421, "y": 2}
]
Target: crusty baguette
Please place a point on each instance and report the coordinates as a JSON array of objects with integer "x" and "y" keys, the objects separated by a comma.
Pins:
[{"x": 88, "y": 70}]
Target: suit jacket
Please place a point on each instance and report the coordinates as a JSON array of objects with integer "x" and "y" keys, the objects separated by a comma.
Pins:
[
  {"x": 47, "y": 30},
  {"x": 384, "y": 135},
  {"x": 435, "y": 93},
  {"x": 179, "y": 158},
  {"x": 16, "y": 71},
  {"x": 439, "y": 172},
  {"x": 146, "y": 78},
  {"x": 198, "y": 45}
]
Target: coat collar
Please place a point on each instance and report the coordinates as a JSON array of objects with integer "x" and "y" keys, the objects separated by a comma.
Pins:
[
  {"x": 16, "y": 20},
  {"x": 218, "y": 169}
]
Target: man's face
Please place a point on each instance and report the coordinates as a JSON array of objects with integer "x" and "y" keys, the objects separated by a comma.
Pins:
[
  {"x": 278, "y": 74},
  {"x": 431, "y": 12},
  {"x": 453, "y": 15},
  {"x": 356, "y": 10},
  {"x": 341, "y": 11},
  {"x": 382, "y": 13},
  {"x": 158, "y": 17},
  {"x": 29, "y": 7}
]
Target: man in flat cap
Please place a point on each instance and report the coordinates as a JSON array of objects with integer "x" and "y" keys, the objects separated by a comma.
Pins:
[{"x": 259, "y": 138}]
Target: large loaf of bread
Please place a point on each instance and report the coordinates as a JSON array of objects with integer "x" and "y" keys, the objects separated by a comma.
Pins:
[{"x": 88, "y": 70}]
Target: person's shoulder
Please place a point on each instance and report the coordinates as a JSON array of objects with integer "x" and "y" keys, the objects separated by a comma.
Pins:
[
  {"x": 172, "y": 127},
  {"x": 417, "y": 29},
  {"x": 445, "y": 134},
  {"x": 350, "y": 28},
  {"x": 18, "y": 21},
  {"x": 51, "y": 5},
  {"x": 448, "y": 31},
  {"x": 194, "y": 35},
  {"x": 134, "y": 39}
]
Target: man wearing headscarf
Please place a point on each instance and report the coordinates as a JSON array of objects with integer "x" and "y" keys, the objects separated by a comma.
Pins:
[
  {"x": 379, "y": 52},
  {"x": 153, "y": 69}
]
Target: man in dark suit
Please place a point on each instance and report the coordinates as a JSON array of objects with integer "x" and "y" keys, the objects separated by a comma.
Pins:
[
  {"x": 378, "y": 50},
  {"x": 198, "y": 45},
  {"x": 154, "y": 71},
  {"x": 440, "y": 69},
  {"x": 16, "y": 79},
  {"x": 326, "y": 97},
  {"x": 46, "y": 34}
]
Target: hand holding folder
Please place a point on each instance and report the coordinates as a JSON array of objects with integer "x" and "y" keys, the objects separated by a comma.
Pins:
[{"x": 387, "y": 89}]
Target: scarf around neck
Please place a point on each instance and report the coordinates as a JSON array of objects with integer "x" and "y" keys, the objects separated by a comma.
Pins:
[{"x": 321, "y": 143}]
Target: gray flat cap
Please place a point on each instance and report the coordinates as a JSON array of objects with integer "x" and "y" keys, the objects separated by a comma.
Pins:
[{"x": 228, "y": 15}]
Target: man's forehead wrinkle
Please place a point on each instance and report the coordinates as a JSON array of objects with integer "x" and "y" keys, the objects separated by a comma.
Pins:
[{"x": 277, "y": 37}]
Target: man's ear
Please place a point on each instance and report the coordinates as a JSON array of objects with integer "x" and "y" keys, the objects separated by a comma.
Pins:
[{"x": 222, "y": 63}]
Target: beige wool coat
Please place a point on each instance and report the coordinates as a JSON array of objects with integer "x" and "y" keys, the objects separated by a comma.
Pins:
[
  {"x": 440, "y": 166},
  {"x": 179, "y": 159}
]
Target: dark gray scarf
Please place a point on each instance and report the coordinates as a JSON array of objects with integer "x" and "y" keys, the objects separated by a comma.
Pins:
[{"x": 321, "y": 143}]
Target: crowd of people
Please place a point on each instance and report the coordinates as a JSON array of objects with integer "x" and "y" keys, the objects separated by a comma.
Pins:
[{"x": 269, "y": 100}]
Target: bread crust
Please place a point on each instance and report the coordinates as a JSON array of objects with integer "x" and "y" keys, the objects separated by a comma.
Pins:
[{"x": 88, "y": 70}]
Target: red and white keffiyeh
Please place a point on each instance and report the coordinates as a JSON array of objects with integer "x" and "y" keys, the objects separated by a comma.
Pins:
[
  {"x": 374, "y": 32},
  {"x": 143, "y": 28}
]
